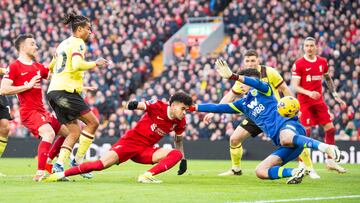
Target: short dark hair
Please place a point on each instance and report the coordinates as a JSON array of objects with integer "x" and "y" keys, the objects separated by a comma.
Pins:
[
  {"x": 251, "y": 52},
  {"x": 250, "y": 72},
  {"x": 20, "y": 39},
  {"x": 181, "y": 97},
  {"x": 75, "y": 21}
]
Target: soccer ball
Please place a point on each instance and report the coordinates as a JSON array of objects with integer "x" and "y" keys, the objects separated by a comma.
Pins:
[{"x": 288, "y": 107}]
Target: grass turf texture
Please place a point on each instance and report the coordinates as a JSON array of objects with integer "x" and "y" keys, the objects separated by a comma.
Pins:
[{"x": 199, "y": 184}]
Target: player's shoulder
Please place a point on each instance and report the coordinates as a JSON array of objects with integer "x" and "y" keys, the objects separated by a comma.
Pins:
[
  {"x": 15, "y": 64},
  {"x": 38, "y": 64},
  {"x": 300, "y": 60},
  {"x": 321, "y": 59},
  {"x": 269, "y": 69}
]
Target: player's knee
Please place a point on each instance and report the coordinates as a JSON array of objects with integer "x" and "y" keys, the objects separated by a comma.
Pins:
[
  {"x": 176, "y": 154},
  {"x": 234, "y": 141},
  {"x": 48, "y": 136},
  {"x": 4, "y": 130},
  {"x": 94, "y": 124},
  {"x": 261, "y": 172},
  {"x": 286, "y": 140}
]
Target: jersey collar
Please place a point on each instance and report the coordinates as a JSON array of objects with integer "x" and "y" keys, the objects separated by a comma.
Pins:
[{"x": 312, "y": 61}]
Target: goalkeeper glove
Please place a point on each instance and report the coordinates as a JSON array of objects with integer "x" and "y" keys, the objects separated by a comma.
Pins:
[
  {"x": 182, "y": 167},
  {"x": 223, "y": 69}
]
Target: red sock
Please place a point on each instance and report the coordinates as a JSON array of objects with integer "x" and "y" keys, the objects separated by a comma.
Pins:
[
  {"x": 85, "y": 168},
  {"x": 168, "y": 162},
  {"x": 308, "y": 132},
  {"x": 55, "y": 148},
  {"x": 43, "y": 150},
  {"x": 330, "y": 136}
]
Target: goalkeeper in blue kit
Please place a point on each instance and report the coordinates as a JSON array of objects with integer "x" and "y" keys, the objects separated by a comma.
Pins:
[{"x": 260, "y": 105}]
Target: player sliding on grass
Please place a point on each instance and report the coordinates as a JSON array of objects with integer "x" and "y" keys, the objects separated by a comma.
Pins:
[
  {"x": 260, "y": 106},
  {"x": 138, "y": 144}
]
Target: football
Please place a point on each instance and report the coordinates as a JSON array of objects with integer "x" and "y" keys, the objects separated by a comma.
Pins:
[{"x": 288, "y": 107}]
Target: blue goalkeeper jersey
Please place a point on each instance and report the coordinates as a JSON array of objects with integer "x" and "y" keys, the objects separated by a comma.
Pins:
[{"x": 259, "y": 104}]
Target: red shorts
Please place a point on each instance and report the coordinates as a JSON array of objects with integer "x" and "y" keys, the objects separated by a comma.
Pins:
[
  {"x": 315, "y": 114},
  {"x": 33, "y": 120},
  {"x": 130, "y": 149}
]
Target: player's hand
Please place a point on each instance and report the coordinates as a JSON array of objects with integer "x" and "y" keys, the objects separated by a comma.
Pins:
[
  {"x": 101, "y": 62},
  {"x": 33, "y": 81},
  {"x": 90, "y": 88},
  {"x": 223, "y": 69},
  {"x": 314, "y": 95},
  {"x": 208, "y": 117},
  {"x": 341, "y": 102},
  {"x": 182, "y": 167}
]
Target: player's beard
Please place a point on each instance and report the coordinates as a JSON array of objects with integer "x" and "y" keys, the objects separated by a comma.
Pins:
[
  {"x": 32, "y": 56},
  {"x": 87, "y": 39}
]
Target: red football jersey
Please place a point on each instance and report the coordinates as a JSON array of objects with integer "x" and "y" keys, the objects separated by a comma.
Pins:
[
  {"x": 311, "y": 75},
  {"x": 21, "y": 74},
  {"x": 155, "y": 124}
]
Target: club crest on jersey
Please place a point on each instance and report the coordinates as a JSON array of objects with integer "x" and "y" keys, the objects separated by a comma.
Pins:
[
  {"x": 81, "y": 47},
  {"x": 320, "y": 68},
  {"x": 254, "y": 92}
]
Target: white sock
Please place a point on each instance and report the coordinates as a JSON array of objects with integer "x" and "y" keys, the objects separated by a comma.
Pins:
[{"x": 323, "y": 147}]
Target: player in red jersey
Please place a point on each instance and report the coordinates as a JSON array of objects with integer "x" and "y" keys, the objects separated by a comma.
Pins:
[
  {"x": 24, "y": 79},
  {"x": 138, "y": 143},
  {"x": 307, "y": 74}
]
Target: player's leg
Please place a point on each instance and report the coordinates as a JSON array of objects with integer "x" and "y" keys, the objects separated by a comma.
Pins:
[
  {"x": 272, "y": 167},
  {"x": 165, "y": 159},
  {"x": 325, "y": 120},
  {"x": 119, "y": 152},
  {"x": 47, "y": 135},
  {"x": 292, "y": 135},
  {"x": 330, "y": 139},
  {"x": 4, "y": 132},
  {"x": 307, "y": 118},
  {"x": 87, "y": 135},
  {"x": 62, "y": 133},
  {"x": 109, "y": 159},
  {"x": 59, "y": 141},
  {"x": 246, "y": 129},
  {"x": 69, "y": 142}
]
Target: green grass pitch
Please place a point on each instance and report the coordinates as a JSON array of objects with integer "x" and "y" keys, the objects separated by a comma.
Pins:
[{"x": 199, "y": 184}]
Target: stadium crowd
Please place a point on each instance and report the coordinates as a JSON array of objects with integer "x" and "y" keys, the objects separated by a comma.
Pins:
[{"x": 274, "y": 28}]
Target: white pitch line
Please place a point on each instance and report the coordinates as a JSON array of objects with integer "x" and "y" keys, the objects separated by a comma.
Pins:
[{"x": 303, "y": 199}]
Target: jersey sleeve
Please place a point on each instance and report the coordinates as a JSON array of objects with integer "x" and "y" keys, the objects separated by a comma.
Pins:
[
  {"x": 79, "y": 49},
  {"x": 181, "y": 127},
  {"x": 151, "y": 104},
  {"x": 296, "y": 71},
  {"x": 12, "y": 72},
  {"x": 274, "y": 77},
  {"x": 236, "y": 88},
  {"x": 44, "y": 72}
]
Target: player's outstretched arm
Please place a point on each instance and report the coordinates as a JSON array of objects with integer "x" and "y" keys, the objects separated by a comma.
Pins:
[
  {"x": 215, "y": 108},
  {"x": 135, "y": 105},
  {"x": 79, "y": 63},
  {"x": 179, "y": 145}
]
